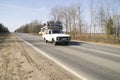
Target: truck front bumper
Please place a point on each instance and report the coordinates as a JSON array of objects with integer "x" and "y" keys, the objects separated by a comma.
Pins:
[{"x": 63, "y": 41}]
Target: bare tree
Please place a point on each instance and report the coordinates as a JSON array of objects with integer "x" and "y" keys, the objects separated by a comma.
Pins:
[
  {"x": 101, "y": 18},
  {"x": 65, "y": 15},
  {"x": 71, "y": 17},
  {"x": 91, "y": 17},
  {"x": 80, "y": 19},
  {"x": 56, "y": 13}
]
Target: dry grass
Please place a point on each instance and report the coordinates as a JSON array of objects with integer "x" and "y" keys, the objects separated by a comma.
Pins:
[{"x": 112, "y": 39}]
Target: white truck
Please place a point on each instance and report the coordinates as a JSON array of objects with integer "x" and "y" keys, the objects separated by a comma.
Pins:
[{"x": 53, "y": 33}]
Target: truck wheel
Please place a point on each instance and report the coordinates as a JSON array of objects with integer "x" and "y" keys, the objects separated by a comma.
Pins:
[
  {"x": 53, "y": 41},
  {"x": 46, "y": 41}
]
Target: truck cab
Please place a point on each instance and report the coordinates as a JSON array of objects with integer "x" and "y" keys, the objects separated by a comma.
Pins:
[{"x": 56, "y": 36}]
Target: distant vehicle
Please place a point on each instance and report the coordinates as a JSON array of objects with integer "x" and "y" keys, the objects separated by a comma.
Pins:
[{"x": 52, "y": 32}]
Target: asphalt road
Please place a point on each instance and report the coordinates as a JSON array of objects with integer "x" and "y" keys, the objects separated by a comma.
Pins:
[{"x": 92, "y": 61}]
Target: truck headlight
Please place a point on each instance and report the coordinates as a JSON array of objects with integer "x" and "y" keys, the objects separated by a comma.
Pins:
[{"x": 58, "y": 38}]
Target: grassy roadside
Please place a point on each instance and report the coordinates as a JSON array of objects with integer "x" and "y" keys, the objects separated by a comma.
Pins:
[
  {"x": 97, "y": 38},
  {"x": 19, "y": 61},
  {"x": 3, "y": 36}
]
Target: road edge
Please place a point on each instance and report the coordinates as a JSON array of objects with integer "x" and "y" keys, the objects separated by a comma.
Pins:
[{"x": 52, "y": 59}]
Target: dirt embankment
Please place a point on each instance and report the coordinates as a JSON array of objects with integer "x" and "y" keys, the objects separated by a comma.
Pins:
[{"x": 19, "y": 61}]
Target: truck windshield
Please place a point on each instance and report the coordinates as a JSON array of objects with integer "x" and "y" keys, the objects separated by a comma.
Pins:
[{"x": 56, "y": 31}]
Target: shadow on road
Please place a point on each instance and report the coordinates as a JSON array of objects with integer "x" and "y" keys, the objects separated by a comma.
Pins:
[
  {"x": 72, "y": 43},
  {"x": 76, "y": 43},
  {"x": 42, "y": 43}
]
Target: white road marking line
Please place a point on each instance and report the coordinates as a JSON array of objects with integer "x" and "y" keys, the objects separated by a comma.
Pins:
[
  {"x": 103, "y": 52},
  {"x": 57, "y": 62}
]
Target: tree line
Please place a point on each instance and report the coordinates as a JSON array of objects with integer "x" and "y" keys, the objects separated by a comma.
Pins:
[
  {"x": 3, "y": 29},
  {"x": 33, "y": 27},
  {"x": 102, "y": 16}
]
